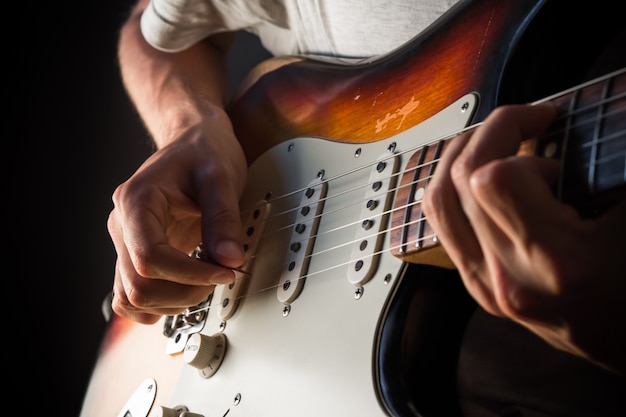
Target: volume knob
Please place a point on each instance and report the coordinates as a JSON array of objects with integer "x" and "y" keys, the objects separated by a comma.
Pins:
[{"x": 205, "y": 353}]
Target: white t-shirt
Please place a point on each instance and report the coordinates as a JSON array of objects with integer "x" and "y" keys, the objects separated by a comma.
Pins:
[{"x": 351, "y": 29}]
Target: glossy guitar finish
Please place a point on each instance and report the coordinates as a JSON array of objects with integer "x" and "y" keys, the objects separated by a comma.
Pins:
[{"x": 337, "y": 318}]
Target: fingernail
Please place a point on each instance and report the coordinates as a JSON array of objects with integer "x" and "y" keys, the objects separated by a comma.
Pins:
[{"x": 228, "y": 249}]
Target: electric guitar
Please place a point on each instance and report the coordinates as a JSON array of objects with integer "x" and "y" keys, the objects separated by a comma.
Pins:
[{"x": 347, "y": 305}]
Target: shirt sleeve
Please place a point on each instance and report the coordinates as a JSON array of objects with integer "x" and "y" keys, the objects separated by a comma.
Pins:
[{"x": 173, "y": 25}]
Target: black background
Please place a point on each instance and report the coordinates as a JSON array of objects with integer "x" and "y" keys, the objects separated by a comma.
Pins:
[{"x": 73, "y": 137}]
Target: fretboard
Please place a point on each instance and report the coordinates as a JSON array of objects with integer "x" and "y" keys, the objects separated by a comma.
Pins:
[{"x": 588, "y": 137}]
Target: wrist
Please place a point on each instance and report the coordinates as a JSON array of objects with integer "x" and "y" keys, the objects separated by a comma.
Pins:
[{"x": 183, "y": 117}]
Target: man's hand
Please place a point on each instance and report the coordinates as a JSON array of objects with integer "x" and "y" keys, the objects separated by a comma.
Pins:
[
  {"x": 185, "y": 194},
  {"x": 523, "y": 254}
]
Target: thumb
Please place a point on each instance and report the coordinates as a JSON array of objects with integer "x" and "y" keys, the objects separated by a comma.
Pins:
[{"x": 221, "y": 227}]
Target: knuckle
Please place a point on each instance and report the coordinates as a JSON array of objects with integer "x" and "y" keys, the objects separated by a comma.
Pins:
[
  {"x": 432, "y": 201},
  {"x": 134, "y": 190},
  {"x": 486, "y": 180},
  {"x": 510, "y": 296},
  {"x": 510, "y": 300},
  {"x": 112, "y": 222},
  {"x": 119, "y": 193},
  {"x": 136, "y": 298},
  {"x": 460, "y": 170},
  {"x": 142, "y": 262}
]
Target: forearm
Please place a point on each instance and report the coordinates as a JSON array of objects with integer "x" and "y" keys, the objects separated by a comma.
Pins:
[{"x": 171, "y": 91}]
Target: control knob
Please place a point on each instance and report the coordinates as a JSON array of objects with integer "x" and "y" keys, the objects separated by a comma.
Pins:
[{"x": 205, "y": 353}]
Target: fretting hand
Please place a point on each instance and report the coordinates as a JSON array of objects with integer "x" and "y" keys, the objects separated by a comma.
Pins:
[{"x": 521, "y": 253}]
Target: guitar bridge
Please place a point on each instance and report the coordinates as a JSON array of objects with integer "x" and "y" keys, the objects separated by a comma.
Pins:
[{"x": 177, "y": 328}]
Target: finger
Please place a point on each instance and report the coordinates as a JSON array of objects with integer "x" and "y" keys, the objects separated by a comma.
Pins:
[
  {"x": 545, "y": 234},
  {"x": 499, "y": 137},
  {"x": 443, "y": 208},
  {"x": 517, "y": 195},
  {"x": 221, "y": 221},
  {"x": 483, "y": 271},
  {"x": 124, "y": 304},
  {"x": 123, "y": 308},
  {"x": 156, "y": 295},
  {"x": 139, "y": 297},
  {"x": 502, "y": 132},
  {"x": 146, "y": 216},
  {"x": 445, "y": 214}
]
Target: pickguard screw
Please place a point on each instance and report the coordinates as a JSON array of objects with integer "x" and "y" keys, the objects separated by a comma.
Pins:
[
  {"x": 286, "y": 310},
  {"x": 358, "y": 293},
  {"x": 237, "y": 399},
  {"x": 222, "y": 326}
]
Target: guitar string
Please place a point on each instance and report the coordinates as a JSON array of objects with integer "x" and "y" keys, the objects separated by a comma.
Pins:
[
  {"x": 394, "y": 209},
  {"x": 610, "y": 76},
  {"x": 308, "y": 275},
  {"x": 418, "y": 147},
  {"x": 386, "y": 231}
]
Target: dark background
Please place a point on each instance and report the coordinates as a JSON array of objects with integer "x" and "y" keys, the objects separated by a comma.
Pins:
[{"x": 73, "y": 137}]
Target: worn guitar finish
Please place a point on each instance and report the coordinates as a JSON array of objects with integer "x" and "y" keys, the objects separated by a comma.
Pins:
[{"x": 346, "y": 311}]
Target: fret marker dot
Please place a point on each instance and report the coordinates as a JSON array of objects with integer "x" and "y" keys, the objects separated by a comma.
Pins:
[
  {"x": 550, "y": 150},
  {"x": 419, "y": 193}
]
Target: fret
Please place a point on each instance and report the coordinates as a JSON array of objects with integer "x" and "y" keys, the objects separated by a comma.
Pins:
[
  {"x": 407, "y": 193},
  {"x": 411, "y": 231},
  {"x": 424, "y": 230},
  {"x": 595, "y": 138},
  {"x": 612, "y": 158},
  {"x": 588, "y": 137}
]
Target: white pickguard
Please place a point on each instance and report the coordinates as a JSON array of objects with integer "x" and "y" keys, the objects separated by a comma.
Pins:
[{"x": 317, "y": 360}]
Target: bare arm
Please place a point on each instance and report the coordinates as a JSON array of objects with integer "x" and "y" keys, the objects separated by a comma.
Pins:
[
  {"x": 171, "y": 91},
  {"x": 187, "y": 192}
]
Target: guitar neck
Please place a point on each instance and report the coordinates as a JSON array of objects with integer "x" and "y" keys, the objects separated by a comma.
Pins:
[{"x": 588, "y": 137}]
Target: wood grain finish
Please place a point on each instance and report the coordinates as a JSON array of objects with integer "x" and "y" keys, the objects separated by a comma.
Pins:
[{"x": 369, "y": 102}]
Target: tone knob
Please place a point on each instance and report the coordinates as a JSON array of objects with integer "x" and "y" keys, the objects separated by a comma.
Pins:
[{"x": 205, "y": 353}]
